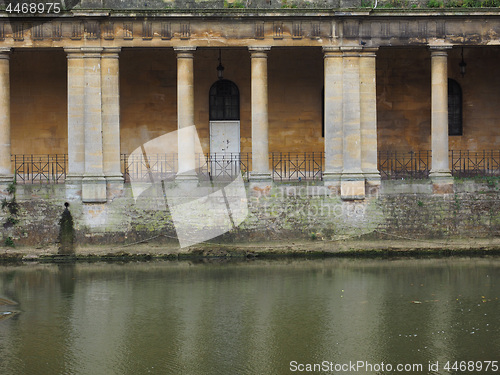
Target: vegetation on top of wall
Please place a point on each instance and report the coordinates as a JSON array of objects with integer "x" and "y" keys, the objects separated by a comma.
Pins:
[
  {"x": 430, "y": 4},
  {"x": 464, "y": 4},
  {"x": 214, "y": 5},
  {"x": 235, "y": 4}
]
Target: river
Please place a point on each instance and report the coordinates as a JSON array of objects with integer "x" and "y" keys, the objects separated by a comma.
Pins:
[{"x": 324, "y": 316}]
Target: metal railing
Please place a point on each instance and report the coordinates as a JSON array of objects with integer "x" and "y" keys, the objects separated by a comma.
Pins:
[
  {"x": 155, "y": 167},
  {"x": 417, "y": 164},
  {"x": 475, "y": 163},
  {"x": 297, "y": 166},
  {"x": 285, "y": 166},
  {"x": 225, "y": 166},
  {"x": 394, "y": 165},
  {"x": 159, "y": 167},
  {"x": 41, "y": 169}
]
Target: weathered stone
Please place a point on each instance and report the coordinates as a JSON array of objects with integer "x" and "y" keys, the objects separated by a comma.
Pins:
[
  {"x": 111, "y": 117},
  {"x": 442, "y": 188},
  {"x": 333, "y": 116},
  {"x": 260, "y": 125},
  {"x": 439, "y": 114},
  {"x": 282, "y": 212},
  {"x": 5, "y": 149}
]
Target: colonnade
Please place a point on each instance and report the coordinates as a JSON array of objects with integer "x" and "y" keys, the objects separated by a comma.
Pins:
[{"x": 349, "y": 111}]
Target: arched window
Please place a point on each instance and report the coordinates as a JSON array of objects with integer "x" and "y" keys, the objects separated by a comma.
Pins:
[
  {"x": 454, "y": 108},
  {"x": 224, "y": 101}
]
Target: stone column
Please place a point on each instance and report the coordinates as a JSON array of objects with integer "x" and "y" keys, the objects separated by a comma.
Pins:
[
  {"x": 6, "y": 176},
  {"x": 76, "y": 131},
  {"x": 260, "y": 126},
  {"x": 110, "y": 77},
  {"x": 368, "y": 107},
  {"x": 185, "y": 113},
  {"x": 440, "y": 171},
  {"x": 93, "y": 182},
  {"x": 333, "y": 118},
  {"x": 352, "y": 179}
]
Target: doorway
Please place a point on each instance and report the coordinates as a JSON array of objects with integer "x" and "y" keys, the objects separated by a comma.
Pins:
[{"x": 224, "y": 129}]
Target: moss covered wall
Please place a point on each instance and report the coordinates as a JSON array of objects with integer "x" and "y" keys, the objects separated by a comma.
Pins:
[{"x": 291, "y": 211}]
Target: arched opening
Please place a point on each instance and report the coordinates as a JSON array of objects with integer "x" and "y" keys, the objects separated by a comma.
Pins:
[{"x": 224, "y": 101}]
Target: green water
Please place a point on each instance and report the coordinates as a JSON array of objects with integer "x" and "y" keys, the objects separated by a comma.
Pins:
[{"x": 258, "y": 317}]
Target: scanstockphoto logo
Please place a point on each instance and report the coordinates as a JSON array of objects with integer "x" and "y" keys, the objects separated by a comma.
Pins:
[
  {"x": 171, "y": 172},
  {"x": 42, "y": 10}
]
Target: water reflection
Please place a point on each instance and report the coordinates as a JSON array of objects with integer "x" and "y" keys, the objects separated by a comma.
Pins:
[{"x": 248, "y": 318}]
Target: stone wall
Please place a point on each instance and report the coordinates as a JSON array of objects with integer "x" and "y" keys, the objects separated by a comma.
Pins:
[{"x": 290, "y": 211}]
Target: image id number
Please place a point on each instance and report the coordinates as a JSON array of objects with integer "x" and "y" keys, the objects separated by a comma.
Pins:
[{"x": 33, "y": 8}]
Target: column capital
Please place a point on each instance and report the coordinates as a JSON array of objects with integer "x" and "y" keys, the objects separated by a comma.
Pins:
[
  {"x": 185, "y": 52},
  {"x": 331, "y": 48},
  {"x": 259, "y": 48},
  {"x": 351, "y": 51},
  {"x": 73, "y": 52},
  {"x": 5, "y": 52},
  {"x": 369, "y": 52},
  {"x": 111, "y": 52},
  {"x": 259, "y": 52},
  {"x": 439, "y": 50},
  {"x": 91, "y": 52},
  {"x": 329, "y": 52}
]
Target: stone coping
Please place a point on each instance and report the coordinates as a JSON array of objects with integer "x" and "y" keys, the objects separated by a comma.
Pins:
[{"x": 349, "y": 247}]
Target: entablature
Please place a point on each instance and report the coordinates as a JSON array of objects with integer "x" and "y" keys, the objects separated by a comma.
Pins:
[{"x": 371, "y": 29}]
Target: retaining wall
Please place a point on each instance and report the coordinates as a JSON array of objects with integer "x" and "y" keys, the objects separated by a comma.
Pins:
[{"x": 286, "y": 212}]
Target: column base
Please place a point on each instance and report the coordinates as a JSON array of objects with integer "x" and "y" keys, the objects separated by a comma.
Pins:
[
  {"x": 73, "y": 178},
  {"x": 260, "y": 176},
  {"x": 442, "y": 182},
  {"x": 372, "y": 177},
  {"x": 373, "y": 182},
  {"x": 187, "y": 181},
  {"x": 114, "y": 187},
  {"x": 94, "y": 189},
  {"x": 187, "y": 176},
  {"x": 441, "y": 175},
  {"x": 331, "y": 180},
  {"x": 73, "y": 185},
  {"x": 6, "y": 178},
  {"x": 352, "y": 186}
]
